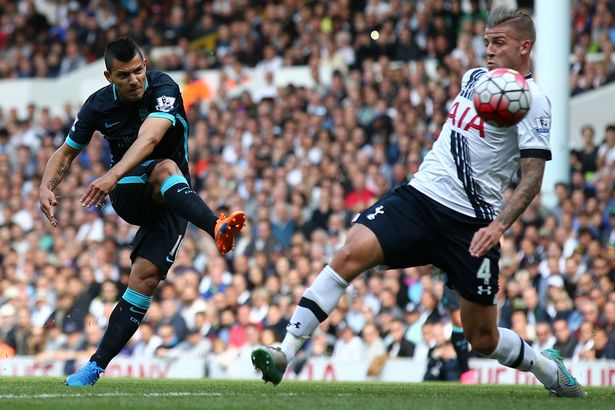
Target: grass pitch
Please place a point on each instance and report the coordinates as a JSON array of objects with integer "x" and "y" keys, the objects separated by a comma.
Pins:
[{"x": 174, "y": 394}]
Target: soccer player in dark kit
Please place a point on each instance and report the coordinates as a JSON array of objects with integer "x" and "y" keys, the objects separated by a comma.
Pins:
[{"x": 141, "y": 115}]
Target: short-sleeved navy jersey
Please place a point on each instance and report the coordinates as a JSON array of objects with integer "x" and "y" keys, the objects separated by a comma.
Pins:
[{"x": 119, "y": 122}]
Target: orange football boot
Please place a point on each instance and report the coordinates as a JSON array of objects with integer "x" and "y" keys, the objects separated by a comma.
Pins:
[{"x": 226, "y": 229}]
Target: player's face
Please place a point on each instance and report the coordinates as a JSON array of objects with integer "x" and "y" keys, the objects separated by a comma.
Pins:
[
  {"x": 506, "y": 49},
  {"x": 128, "y": 77}
]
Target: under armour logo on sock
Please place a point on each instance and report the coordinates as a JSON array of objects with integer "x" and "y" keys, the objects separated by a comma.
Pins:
[
  {"x": 296, "y": 325},
  {"x": 377, "y": 211}
]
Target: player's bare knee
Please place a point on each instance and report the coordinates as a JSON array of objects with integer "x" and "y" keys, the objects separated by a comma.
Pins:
[
  {"x": 163, "y": 170},
  {"x": 144, "y": 278},
  {"x": 484, "y": 341},
  {"x": 152, "y": 283},
  {"x": 342, "y": 258},
  {"x": 350, "y": 261},
  {"x": 148, "y": 283}
]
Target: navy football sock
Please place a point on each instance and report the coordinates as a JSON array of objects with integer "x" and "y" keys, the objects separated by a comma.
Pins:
[
  {"x": 461, "y": 348},
  {"x": 123, "y": 323},
  {"x": 185, "y": 202}
]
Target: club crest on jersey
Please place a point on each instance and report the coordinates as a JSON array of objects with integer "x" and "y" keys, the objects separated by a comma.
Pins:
[
  {"x": 543, "y": 124},
  {"x": 165, "y": 104},
  {"x": 377, "y": 211}
]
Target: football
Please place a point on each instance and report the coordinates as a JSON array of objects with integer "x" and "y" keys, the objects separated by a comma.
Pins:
[{"x": 502, "y": 97}]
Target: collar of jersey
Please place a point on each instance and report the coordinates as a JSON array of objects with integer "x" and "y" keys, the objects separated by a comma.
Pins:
[{"x": 115, "y": 94}]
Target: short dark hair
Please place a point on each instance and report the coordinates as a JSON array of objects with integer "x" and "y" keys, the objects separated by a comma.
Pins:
[
  {"x": 123, "y": 49},
  {"x": 521, "y": 22}
]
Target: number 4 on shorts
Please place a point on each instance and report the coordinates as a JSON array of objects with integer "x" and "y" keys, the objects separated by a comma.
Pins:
[{"x": 484, "y": 272}]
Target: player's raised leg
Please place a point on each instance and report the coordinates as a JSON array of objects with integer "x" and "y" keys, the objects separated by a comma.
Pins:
[
  {"x": 508, "y": 348},
  {"x": 123, "y": 322},
  {"x": 173, "y": 188},
  {"x": 361, "y": 251}
]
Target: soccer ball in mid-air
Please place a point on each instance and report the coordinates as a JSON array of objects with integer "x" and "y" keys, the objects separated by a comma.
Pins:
[{"x": 502, "y": 97}]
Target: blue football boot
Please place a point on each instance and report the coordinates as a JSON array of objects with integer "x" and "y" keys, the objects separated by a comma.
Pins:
[{"x": 86, "y": 376}]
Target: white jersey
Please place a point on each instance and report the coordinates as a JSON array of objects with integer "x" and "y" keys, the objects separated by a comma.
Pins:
[{"x": 472, "y": 162}]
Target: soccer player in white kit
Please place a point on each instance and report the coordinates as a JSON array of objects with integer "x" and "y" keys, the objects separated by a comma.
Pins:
[{"x": 451, "y": 215}]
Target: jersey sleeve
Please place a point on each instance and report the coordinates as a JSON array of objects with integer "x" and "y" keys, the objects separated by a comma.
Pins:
[
  {"x": 535, "y": 129},
  {"x": 83, "y": 128},
  {"x": 165, "y": 98}
]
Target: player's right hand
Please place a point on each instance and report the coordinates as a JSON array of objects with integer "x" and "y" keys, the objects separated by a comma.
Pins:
[{"x": 48, "y": 202}]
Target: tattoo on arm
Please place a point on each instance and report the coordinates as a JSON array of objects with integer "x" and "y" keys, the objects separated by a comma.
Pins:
[
  {"x": 55, "y": 180},
  {"x": 532, "y": 171}
]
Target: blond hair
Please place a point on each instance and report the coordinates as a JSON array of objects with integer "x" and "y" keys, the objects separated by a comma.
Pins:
[{"x": 518, "y": 20}]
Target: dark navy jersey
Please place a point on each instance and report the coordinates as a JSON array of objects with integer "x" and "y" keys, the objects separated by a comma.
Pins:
[{"x": 119, "y": 122}]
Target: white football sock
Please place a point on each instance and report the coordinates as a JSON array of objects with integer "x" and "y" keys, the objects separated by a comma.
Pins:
[
  {"x": 512, "y": 351},
  {"x": 317, "y": 303}
]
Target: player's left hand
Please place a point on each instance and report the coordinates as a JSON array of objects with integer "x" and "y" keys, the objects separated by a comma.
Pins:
[
  {"x": 98, "y": 190},
  {"x": 486, "y": 238}
]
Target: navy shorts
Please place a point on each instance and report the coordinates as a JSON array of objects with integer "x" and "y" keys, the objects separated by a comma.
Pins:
[
  {"x": 160, "y": 229},
  {"x": 414, "y": 230}
]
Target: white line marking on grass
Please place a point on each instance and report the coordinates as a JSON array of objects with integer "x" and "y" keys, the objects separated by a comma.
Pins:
[{"x": 112, "y": 394}]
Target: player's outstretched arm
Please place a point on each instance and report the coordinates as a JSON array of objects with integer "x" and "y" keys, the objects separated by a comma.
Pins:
[
  {"x": 56, "y": 169},
  {"x": 532, "y": 171},
  {"x": 151, "y": 132}
]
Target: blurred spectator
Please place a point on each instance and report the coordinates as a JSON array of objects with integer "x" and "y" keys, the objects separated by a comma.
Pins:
[
  {"x": 168, "y": 339},
  {"x": 102, "y": 306},
  {"x": 565, "y": 341},
  {"x": 36, "y": 341},
  {"x": 348, "y": 347},
  {"x": 19, "y": 335},
  {"x": 372, "y": 342},
  {"x": 606, "y": 150},
  {"x": 194, "y": 346},
  {"x": 588, "y": 155},
  {"x": 442, "y": 361},
  {"x": 6, "y": 350},
  {"x": 172, "y": 317},
  {"x": 302, "y": 160},
  {"x": 276, "y": 322},
  {"x": 397, "y": 344},
  {"x": 585, "y": 348},
  {"x": 148, "y": 341},
  {"x": 544, "y": 337}
]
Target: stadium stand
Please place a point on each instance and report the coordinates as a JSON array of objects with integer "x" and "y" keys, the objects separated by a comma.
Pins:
[{"x": 301, "y": 162}]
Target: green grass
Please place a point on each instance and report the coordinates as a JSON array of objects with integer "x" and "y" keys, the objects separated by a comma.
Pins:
[{"x": 173, "y": 394}]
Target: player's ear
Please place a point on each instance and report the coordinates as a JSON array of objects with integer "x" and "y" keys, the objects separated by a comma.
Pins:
[
  {"x": 145, "y": 62},
  {"x": 526, "y": 47},
  {"x": 108, "y": 76}
]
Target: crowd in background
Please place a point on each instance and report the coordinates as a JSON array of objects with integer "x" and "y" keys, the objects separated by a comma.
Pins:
[
  {"x": 301, "y": 163},
  {"x": 48, "y": 38}
]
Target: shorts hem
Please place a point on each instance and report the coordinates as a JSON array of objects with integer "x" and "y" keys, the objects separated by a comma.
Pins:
[{"x": 163, "y": 268}]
